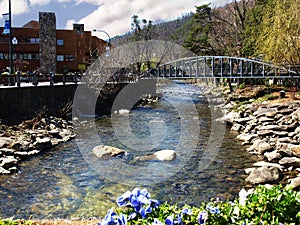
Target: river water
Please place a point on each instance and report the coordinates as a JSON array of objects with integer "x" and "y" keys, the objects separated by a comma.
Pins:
[{"x": 61, "y": 184}]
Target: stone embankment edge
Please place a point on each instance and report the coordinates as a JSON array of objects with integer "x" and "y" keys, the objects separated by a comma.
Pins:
[
  {"x": 272, "y": 132},
  {"x": 30, "y": 138}
]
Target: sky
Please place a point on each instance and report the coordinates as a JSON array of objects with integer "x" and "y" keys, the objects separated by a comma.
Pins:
[{"x": 112, "y": 16}]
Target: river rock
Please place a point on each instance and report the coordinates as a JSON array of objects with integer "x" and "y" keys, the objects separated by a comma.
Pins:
[
  {"x": 290, "y": 161},
  {"x": 165, "y": 155},
  {"x": 294, "y": 149},
  {"x": 268, "y": 164},
  {"x": 263, "y": 175},
  {"x": 5, "y": 142},
  {"x": 246, "y": 137},
  {"x": 264, "y": 119},
  {"x": 105, "y": 151},
  {"x": 270, "y": 127},
  {"x": 43, "y": 143},
  {"x": 295, "y": 182},
  {"x": 4, "y": 171},
  {"x": 264, "y": 133},
  {"x": 281, "y": 133},
  {"x": 162, "y": 155},
  {"x": 273, "y": 156},
  {"x": 229, "y": 118},
  {"x": 271, "y": 113},
  {"x": 286, "y": 111},
  {"x": 66, "y": 134},
  {"x": 261, "y": 146},
  {"x": 8, "y": 161},
  {"x": 237, "y": 127},
  {"x": 243, "y": 120},
  {"x": 6, "y": 151}
]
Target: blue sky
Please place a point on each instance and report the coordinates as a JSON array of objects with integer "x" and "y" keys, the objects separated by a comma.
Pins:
[{"x": 113, "y": 16}]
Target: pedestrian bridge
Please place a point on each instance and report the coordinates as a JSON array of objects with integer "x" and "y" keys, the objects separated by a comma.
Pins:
[{"x": 221, "y": 67}]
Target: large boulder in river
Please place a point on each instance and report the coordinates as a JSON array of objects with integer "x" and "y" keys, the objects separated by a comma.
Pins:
[
  {"x": 105, "y": 151},
  {"x": 162, "y": 155},
  {"x": 165, "y": 155}
]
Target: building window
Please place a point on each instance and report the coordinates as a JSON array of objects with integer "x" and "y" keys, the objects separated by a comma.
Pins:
[
  {"x": 34, "y": 40},
  {"x": 60, "y": 58},
  {"x": 70, "y": 58},
  {"x": 60, "y": 42},
  {"x": 1, "y": 56}
]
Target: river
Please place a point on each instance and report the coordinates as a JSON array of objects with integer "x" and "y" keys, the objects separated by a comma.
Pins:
[{"x": 61, "y": 184}]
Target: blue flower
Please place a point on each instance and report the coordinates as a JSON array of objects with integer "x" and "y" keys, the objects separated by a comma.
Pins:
[
  {"x": 132, "y": 216},
  {"x": 144, "y": 211},
  {"x": 154, "y": 202},
  {"x": 187, "y": 211},
  {"x": 169, "y": 220},
  {"x": 122, "y": 200},
  {"x": 212, "y": 209},
  {"x": 139, "y": 200},
  {"x": 109, "y": 218},
  {"x": 202, "y": 217},
  {"x": 157, "y": 222},
  {"x": 122, "y": 220}
]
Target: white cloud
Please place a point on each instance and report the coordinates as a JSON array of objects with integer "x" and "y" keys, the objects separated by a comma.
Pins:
[
  {"x": 115, "y": 16},
  {"x": 17, "y": 6},
  {"x": 39, "y": 2}
]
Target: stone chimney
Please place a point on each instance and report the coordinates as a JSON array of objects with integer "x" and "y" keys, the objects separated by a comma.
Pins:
[{"x": 47, "y": 22}]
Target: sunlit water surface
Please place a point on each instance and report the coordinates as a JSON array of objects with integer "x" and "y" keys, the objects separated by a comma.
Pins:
[{"x": 61, "y": 184}]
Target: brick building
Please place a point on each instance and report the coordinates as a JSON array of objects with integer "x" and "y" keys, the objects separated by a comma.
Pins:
[{"x": 43, "y": 47}]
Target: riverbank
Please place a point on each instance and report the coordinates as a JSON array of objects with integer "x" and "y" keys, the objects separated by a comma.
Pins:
[
  {"x": 30, "y": 138},
  {"x": 269, "y": 125}
]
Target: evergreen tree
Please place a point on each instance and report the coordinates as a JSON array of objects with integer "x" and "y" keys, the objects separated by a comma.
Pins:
[{"x": 198, "y": 40}]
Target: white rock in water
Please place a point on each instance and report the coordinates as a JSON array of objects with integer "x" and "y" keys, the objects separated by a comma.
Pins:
[
  {"x": 122, "y": 112},
  {"x": 104, "y": 151},
  {"x": 165, "y": 155}
]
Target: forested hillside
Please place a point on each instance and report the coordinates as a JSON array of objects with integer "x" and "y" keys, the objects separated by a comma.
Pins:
[
  {"x": 264, "y": 29},
  {"x": 176, "y": 31}
]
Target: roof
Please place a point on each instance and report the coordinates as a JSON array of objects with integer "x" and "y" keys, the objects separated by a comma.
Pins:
[{"x": 32, "y": 24}]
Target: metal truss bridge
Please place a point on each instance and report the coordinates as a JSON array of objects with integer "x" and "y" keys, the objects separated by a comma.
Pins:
[{"x": 222, "y": 67}]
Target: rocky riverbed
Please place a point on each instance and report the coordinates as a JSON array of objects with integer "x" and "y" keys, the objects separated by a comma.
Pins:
[
  {"x": 272, "y": 132},
  {"x": 30, "y": 138}
]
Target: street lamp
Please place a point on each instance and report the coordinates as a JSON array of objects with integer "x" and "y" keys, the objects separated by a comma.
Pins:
[
  {"x": 10, "y": 39},
  {"x": 107, "y": 48}
]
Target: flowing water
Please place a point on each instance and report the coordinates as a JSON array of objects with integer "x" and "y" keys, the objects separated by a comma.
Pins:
[{"x": 61, "y": 184}]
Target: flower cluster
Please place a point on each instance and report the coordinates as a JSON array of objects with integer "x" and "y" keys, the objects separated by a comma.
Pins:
[
  {"x": 263, "y": 205},
  {"x": 138, "y": 200},
  {"x": 111, "y": 218}
]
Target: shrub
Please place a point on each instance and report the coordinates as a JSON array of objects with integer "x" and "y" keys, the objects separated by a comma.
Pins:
[{"x": 264, "y": 205}]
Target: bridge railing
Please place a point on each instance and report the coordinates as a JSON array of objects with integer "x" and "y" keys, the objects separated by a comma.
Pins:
[{"x": 223, "y": 67}]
